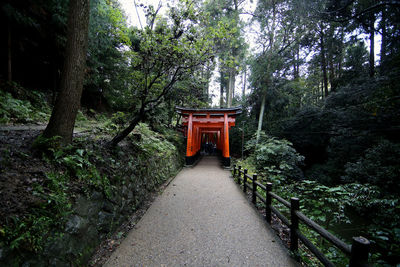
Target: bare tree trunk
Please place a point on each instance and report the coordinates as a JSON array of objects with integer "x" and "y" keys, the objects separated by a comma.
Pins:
[
  {"x": 372, "y": 47},
  {"x": 323, "y": 63},
  {"x": 260, "y": 118},
  {"x": 332, "y": 73},
  {"x": 54, "y": 89},
  {"x": 330, "y": 52},
  {"x": 298, "y": 61},
  {"x": 384, "y": 41},
  {"x": 120, "y": 136},
  {"x": 63, "y": 116},
  {"x": 9, "y": 76},
  {"x": 231, "y": 87},
  {"x": 233, "y": 82},
  {"x": 268, "y": 77},
  {"x": 221, "y": 90},
  {"x": 244, "y": 83},
  {"x": 295, "y": 64},
  {"x": 341, "y": 55},
  {"x": 208, "y": 76}
]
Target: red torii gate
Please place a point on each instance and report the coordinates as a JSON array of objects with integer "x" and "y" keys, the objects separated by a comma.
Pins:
[{"x": 208, "y": 125}]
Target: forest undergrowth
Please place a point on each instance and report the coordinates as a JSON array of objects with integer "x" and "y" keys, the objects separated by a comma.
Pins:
[
  {"x": 40, "y": 180},
  {"x": 346, "y": 210}
]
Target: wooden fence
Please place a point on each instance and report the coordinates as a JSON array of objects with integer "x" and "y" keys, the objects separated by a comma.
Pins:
[{"x": 357, "y": 252}]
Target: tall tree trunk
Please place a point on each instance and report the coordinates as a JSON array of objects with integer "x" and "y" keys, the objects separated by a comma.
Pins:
[
  {"x": 372, "y": 47},
  {"x": 63, "y": 116},
  {"x": 332, "y": 74},
  {"x": 330, "y": 53},
  {"x": 268, "y": 77},
  {"x": 384, "y": 41},
  {"x": 221, "y": 89},
  {"x": 55, "y": 86},
  {"x": 323, "y": 63},
  {"x": 231, "y": 87},
  {"x": 341, "y": 55},
  {"x": 244, "y": 83},
  {"x": 9, "y": 53},
  {"x": 261, "y": 116},
  {"x": 296, "y": 59},
  {"x": 233, "y": 82},
  {"x": 208, "y": 76}
]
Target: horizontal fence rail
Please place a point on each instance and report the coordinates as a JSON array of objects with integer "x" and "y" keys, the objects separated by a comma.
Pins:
[{"x": 357, "y": 252}]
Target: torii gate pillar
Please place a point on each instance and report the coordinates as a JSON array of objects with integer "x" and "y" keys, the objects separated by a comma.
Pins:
[{"x": 215, "y": 121}]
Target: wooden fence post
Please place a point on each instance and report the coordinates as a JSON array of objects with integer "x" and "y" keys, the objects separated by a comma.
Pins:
[
  {"x": 268, "y": 202},
  {"x": 234, "y": 171},
  {"x": 254, "y": 197},
  {"x": 244, "y": 180},
  {"x": 359, "y": 252},
  {"x": 238, "y": 179},
  {"x": 294, "y": 223}
]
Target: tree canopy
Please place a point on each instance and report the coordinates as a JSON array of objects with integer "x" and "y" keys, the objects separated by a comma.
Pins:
[{"x": 319, "y": 83}]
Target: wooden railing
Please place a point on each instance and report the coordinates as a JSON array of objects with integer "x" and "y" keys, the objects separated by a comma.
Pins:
[{"x": 357, "y": 252}]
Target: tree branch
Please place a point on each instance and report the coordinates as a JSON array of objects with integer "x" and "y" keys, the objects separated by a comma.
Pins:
[
  {"x": 165, "y": 89},
  {"x": 390, "y": 3}
]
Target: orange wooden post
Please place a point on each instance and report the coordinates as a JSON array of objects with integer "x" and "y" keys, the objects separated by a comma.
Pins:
[
  {"x": 189, "y": 145},
  {"x": 219, "y": 140},
  {"x": 198, "y": 140},
  {"x": 225, "y": 154},
  {"x": 195, "y": 136},
  {"x": 199, "y": 144}
]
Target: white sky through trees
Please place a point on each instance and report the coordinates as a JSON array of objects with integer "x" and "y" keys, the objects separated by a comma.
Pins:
[{"x": 136, "y": 17}]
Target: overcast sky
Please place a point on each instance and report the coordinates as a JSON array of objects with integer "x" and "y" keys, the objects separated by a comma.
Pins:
[
  {"x": 137, "y": 18},
  {"x": 133, "y": 16}
]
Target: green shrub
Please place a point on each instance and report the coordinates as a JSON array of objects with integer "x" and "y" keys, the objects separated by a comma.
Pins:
[
  {"x": 379, "y": 166},
  {"x": 116, "y": 122},
  {"x": 21, "y": 111},
  {"x": 43, "y": 145},
  {"x": 276, "y": 157}
]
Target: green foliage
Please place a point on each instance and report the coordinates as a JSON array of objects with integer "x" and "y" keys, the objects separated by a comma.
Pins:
[
  {"x": 80, "y": 168},
  {"x": 378, "y": 215},
  {"x": 325, "y": 205},
  {"x": 108, "y": 33},
  {"x": 166, "y": 51},
  {"x": 21, "y": 111},
  {"x": 46, "y": 145},
  {"x": 380, "y": 166},
  {"x": 276, "y": 157},
  {"x": 115, "y": 123},
  {"x": 29, "y": 232},
  {"x": 356, "y": 56},
  {"x": 368, "y": 209},
  {"x": 151, "y": 143}
]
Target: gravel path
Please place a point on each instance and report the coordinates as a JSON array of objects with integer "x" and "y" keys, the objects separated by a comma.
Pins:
[
  {"x": 25, "y": 127},
  {"x": 201, "y": 219}
]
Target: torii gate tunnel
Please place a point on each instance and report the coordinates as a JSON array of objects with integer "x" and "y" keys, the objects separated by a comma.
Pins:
[{"x": 208, "y": 126}]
